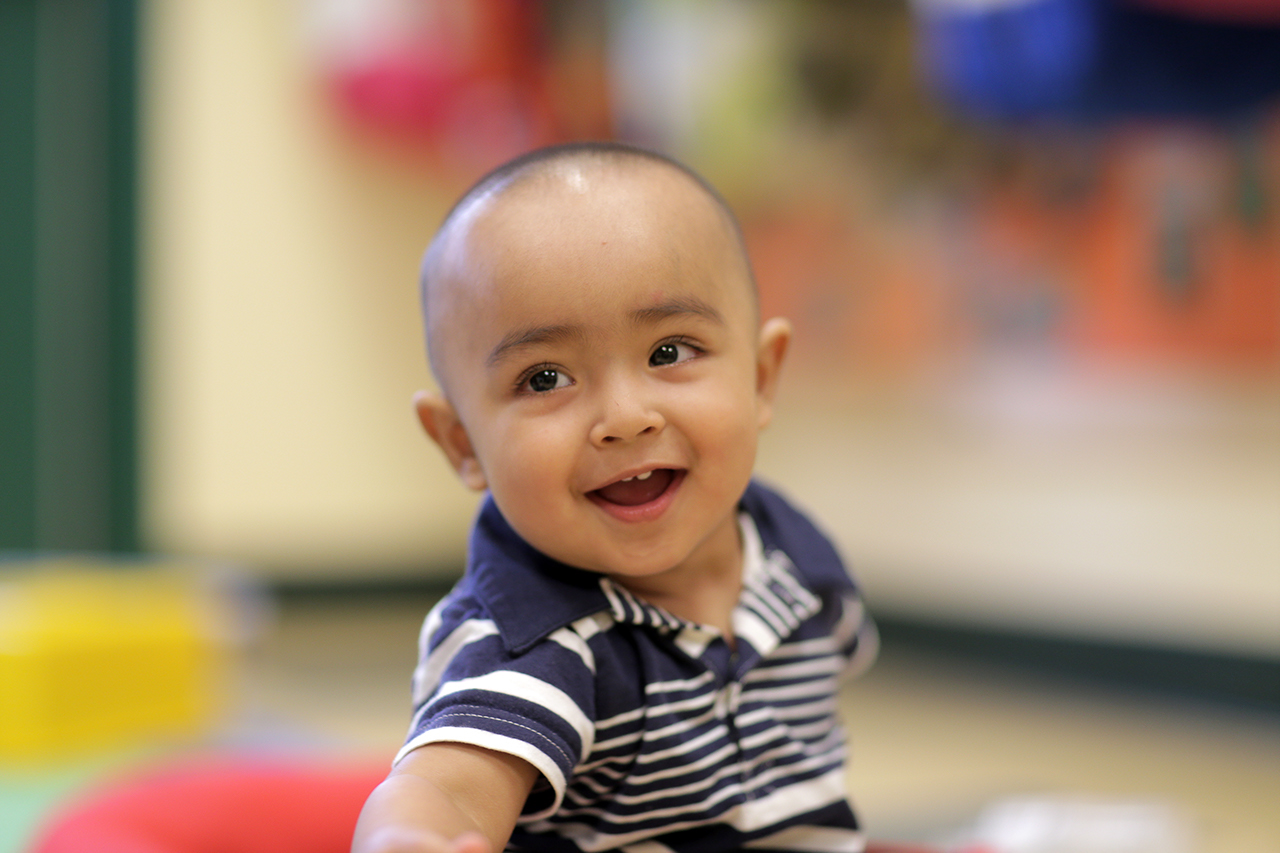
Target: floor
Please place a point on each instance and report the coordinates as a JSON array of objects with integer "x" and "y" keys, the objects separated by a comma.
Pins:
[{"x": 940, "y": 751}]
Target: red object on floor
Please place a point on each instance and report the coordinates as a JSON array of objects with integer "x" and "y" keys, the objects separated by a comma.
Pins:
[
  {"x": 231, "y": 805},
  {"x": 220, "y": 805}
]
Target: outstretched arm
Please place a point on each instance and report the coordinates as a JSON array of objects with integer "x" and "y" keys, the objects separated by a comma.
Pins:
[{"x": 445, "y": 798}]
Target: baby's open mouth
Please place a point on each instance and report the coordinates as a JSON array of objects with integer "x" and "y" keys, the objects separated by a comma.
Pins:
[{"x": 637, "y": 490}]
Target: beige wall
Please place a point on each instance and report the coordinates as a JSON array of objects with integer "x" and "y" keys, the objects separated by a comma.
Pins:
[
  {"x": 1133, "y": 509},
  {"x": 281, "y": 335}
]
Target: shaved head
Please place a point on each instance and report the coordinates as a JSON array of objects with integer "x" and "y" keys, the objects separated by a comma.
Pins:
[{"x": 557, "y": 173}]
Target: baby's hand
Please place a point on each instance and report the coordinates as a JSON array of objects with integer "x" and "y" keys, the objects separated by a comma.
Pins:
[
  {"x": 445, "y": 798},
  {"x": 471, "y": 842},
  {"x": 401, "y": 840}
]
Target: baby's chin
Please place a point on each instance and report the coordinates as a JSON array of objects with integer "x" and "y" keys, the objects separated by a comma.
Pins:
[
  {"x": 621, "y": 571},
  {"x": 625, "y": 570}
]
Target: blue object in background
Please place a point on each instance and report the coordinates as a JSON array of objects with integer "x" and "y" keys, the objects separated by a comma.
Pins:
[{"x": 1093, "y": 60}]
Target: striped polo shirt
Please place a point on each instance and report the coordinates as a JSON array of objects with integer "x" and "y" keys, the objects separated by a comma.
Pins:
[{"x": 651, "y": 733}]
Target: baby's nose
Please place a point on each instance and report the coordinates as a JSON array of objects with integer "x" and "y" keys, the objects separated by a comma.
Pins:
[{"x": 625, "y": 416}]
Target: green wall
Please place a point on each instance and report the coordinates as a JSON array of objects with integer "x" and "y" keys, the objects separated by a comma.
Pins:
[{"x": 67, "y": 275}]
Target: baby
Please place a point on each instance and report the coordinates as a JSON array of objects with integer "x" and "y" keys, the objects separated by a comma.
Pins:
[{"x": 644, "y": 650}]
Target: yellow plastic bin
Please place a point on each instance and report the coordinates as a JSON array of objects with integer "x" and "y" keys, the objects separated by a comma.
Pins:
[{"x": 96, "y": 655}]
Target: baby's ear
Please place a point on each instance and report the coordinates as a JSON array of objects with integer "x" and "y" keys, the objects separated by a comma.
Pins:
[
  {"x": 441, "y": 422},
  {"x": 775, "y": 337}
]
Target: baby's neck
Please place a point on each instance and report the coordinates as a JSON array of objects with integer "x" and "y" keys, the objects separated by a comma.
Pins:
[
  {"x": 712, "y": 606},
  {"x": 706, "y": 587},
  {"x": 705, "y": 597}
]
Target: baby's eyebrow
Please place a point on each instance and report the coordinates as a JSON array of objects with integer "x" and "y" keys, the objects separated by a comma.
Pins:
[
  {"x": 533, "y": 336},
  {"x": 538, "y": 335},
  {"x": 675, "y": 307}
]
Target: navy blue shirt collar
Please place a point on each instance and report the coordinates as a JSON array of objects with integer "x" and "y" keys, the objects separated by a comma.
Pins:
[{"x": 529, "y": 595}]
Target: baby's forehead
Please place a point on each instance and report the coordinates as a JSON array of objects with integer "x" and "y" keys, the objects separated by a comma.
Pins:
[{"x": 534, "y": 213}]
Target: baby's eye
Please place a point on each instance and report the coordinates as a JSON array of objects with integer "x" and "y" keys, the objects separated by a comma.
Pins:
[
  {"x": 545, "y": 379},
  {"x": 671, "y": 352}
]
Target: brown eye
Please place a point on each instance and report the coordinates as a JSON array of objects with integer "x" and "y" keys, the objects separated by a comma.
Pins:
[
  {"x": 673, "y": 352},
  {"x": 544, "y": 380},
  {"x": 665, "y": 354}
]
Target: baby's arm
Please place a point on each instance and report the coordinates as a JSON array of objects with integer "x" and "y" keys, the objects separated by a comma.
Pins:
[{"x": 445, "y": 798}]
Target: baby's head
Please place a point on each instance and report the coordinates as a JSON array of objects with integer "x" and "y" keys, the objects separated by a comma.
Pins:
[{"x": 593, "y": 325}]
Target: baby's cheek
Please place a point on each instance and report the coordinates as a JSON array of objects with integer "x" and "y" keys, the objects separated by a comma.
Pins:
[
  {"x": 531, "y": 475},
  {"x": 727, "y": 416}
]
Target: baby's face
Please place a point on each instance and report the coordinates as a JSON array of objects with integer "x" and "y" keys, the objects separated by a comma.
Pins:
[{"x": 602, "y": 355}]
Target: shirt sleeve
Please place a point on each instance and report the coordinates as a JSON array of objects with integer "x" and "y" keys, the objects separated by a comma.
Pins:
[
  {"x": 537, "y": 705},
  {"x": 857, "y": 635}
]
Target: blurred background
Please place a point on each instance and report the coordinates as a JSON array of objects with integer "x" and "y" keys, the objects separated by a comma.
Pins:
[{"x": 1031, "y": 249}]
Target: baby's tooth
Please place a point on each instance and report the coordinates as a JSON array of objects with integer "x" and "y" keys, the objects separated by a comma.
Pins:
[
  {"x": 627, "y": 479},
  {"x": 646, "y": 475}
]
